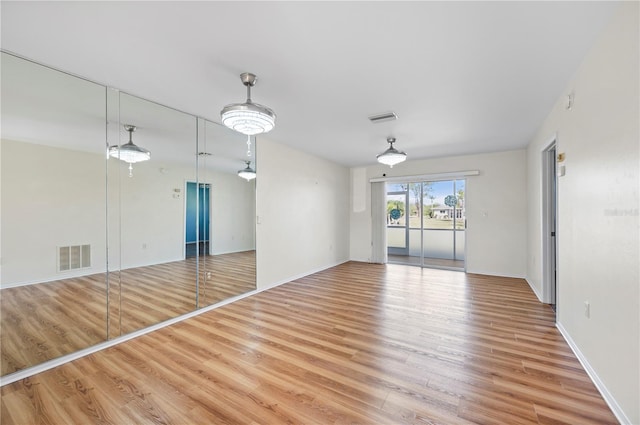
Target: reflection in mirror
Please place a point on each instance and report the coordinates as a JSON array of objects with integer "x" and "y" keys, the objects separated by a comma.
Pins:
[
  {"x": 175, "y": 232},
  {"x": 149, "y": 276},
  {"x": 226, "y": 230},
  {"x": 53, "y": 285}
]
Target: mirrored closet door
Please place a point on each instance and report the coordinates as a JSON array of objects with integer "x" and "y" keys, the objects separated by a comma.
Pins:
[
  {"x": 152, "y": 151},
  {"x": 227, "y": 256},
  {"x": 98, "y": 235},
  {"x": 53, "y": 297}
]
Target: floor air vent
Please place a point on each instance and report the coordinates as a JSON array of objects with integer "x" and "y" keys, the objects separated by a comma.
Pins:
[{"x": 74, "y": 257}]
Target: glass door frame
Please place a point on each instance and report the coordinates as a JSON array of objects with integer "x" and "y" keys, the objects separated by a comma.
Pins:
[
  {"x": 396, "y": 250},
  {"x": 455, "y": 182}
]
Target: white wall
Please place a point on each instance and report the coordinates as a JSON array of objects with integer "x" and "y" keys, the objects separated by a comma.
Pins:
[
  {"x": 496, "y": 240},
  {"x": 50, "y": 197},
  {"x": 303, "y": 211},
  {"x": 598, "y": 202},
  {"x": 233, "y": 225},
  {"x": 148, "y": 219}
]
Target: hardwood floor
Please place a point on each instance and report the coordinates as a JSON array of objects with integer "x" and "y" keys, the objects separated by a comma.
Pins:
[
  {"x": 44, "y": 321},
  {"x": 357, "y": 343}
]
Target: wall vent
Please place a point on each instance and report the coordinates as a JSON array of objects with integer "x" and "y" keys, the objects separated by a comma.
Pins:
[
  {"x": 74, "y": 257},
  {"x": 387, "y": 116}
]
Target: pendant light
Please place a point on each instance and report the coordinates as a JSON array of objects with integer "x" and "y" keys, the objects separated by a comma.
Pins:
[
  {"x": 248, "y": 118},
  {"x": 391, "y": 156},
  {"x": 247, "y": 173},
  {"x": 129, "y": 152}
]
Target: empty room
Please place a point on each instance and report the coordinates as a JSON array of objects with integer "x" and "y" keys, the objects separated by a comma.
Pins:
[{"x": 320, "y": 212}]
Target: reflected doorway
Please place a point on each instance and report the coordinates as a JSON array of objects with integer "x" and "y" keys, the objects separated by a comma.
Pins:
[
  {"x": 198, "y": 219},
  {"x": 426, "y": 223}
]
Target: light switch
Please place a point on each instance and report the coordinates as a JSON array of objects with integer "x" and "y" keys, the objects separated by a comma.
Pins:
[{"x": 561, "y": 171}]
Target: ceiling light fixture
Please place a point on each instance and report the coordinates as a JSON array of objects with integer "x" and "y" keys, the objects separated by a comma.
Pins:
[
  {"x": 391, "y": 156},
  {"x": 248, "y": 118},
  {"x": 129, "y": 152},
  {"x": 247, "y": 173}
]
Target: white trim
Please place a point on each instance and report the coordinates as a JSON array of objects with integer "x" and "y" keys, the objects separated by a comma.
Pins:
[
  {"x": 547, "y": 248},
  {"x": 68, "y": 274},
  {"x": 608, "y": 397},
  {"x": 494, "y": 273},
  {"x": 301, "y": 275},
  {"x": 535, "y": 290},
  {"x": 431, "y": 177},
  {"x": 211, "y": 253}
]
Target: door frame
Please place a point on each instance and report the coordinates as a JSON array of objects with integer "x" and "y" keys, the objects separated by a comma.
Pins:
[
  {"x": 405, "y": 250},
  {"x": 549, "y": 195}
]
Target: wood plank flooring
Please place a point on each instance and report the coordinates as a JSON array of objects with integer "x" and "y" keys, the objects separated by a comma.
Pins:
[
  {"x": 44, "y": 321},
  {"x": 357, "y": 343}
]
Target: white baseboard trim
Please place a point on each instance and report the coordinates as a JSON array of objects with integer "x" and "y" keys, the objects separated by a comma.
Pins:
[
  {"x": 71, "y": 274},
  {"x": 301, "y": 275},
  {"x": 494, "y": 273},
  {"x": 535, "y": 291},
  {"x": 608, "y": 397}
]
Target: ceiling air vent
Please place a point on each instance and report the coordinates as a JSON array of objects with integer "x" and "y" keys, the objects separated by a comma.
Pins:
[{"x": 387, "y": 116}]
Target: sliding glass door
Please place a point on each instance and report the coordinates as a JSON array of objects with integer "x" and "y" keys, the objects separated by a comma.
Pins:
[
  {"x": 444, "y": 224},
  {"x": 426, "y": 223},
  {"x": 397, "y": 223}
]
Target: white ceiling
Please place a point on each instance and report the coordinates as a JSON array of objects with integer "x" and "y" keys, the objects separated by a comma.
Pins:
[
  {"x": 47, "y": 107},
  {"x": 463, "y": 77}
]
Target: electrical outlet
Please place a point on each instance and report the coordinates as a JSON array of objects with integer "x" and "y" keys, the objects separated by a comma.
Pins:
[{"x": 587, "y": 309}]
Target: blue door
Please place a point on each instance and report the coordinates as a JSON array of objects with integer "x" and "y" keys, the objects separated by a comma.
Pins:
[{"x": 197, "y": 219}]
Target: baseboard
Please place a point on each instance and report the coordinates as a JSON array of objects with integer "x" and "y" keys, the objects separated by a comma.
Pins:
[
  {"x": 535, "y": 290},
  {"x": 608, "y": 397},
  {"x": 72, "y": 274},
  {"x": 494, "y": 273},
  {"x": 301, "y": 275}
]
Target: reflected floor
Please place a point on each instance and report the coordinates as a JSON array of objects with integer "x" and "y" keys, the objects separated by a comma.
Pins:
[
  {"x": 44, "y": 321},
  {"x": 436, "y": 263}
]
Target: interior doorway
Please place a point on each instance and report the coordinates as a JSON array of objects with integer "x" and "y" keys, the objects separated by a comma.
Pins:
[
  {"x": 197, "y": 219},
  {"x": 426, "y": 223},
  {"x": 549, "y": 226}
]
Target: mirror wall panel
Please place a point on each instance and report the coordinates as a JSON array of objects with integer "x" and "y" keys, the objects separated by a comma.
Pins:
[
  {"x": 53, "y": 247},
  {"x": 151, "y": 280},
  {"x": 92, "y": 250},
  {"x": 227, "y": 261}
]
